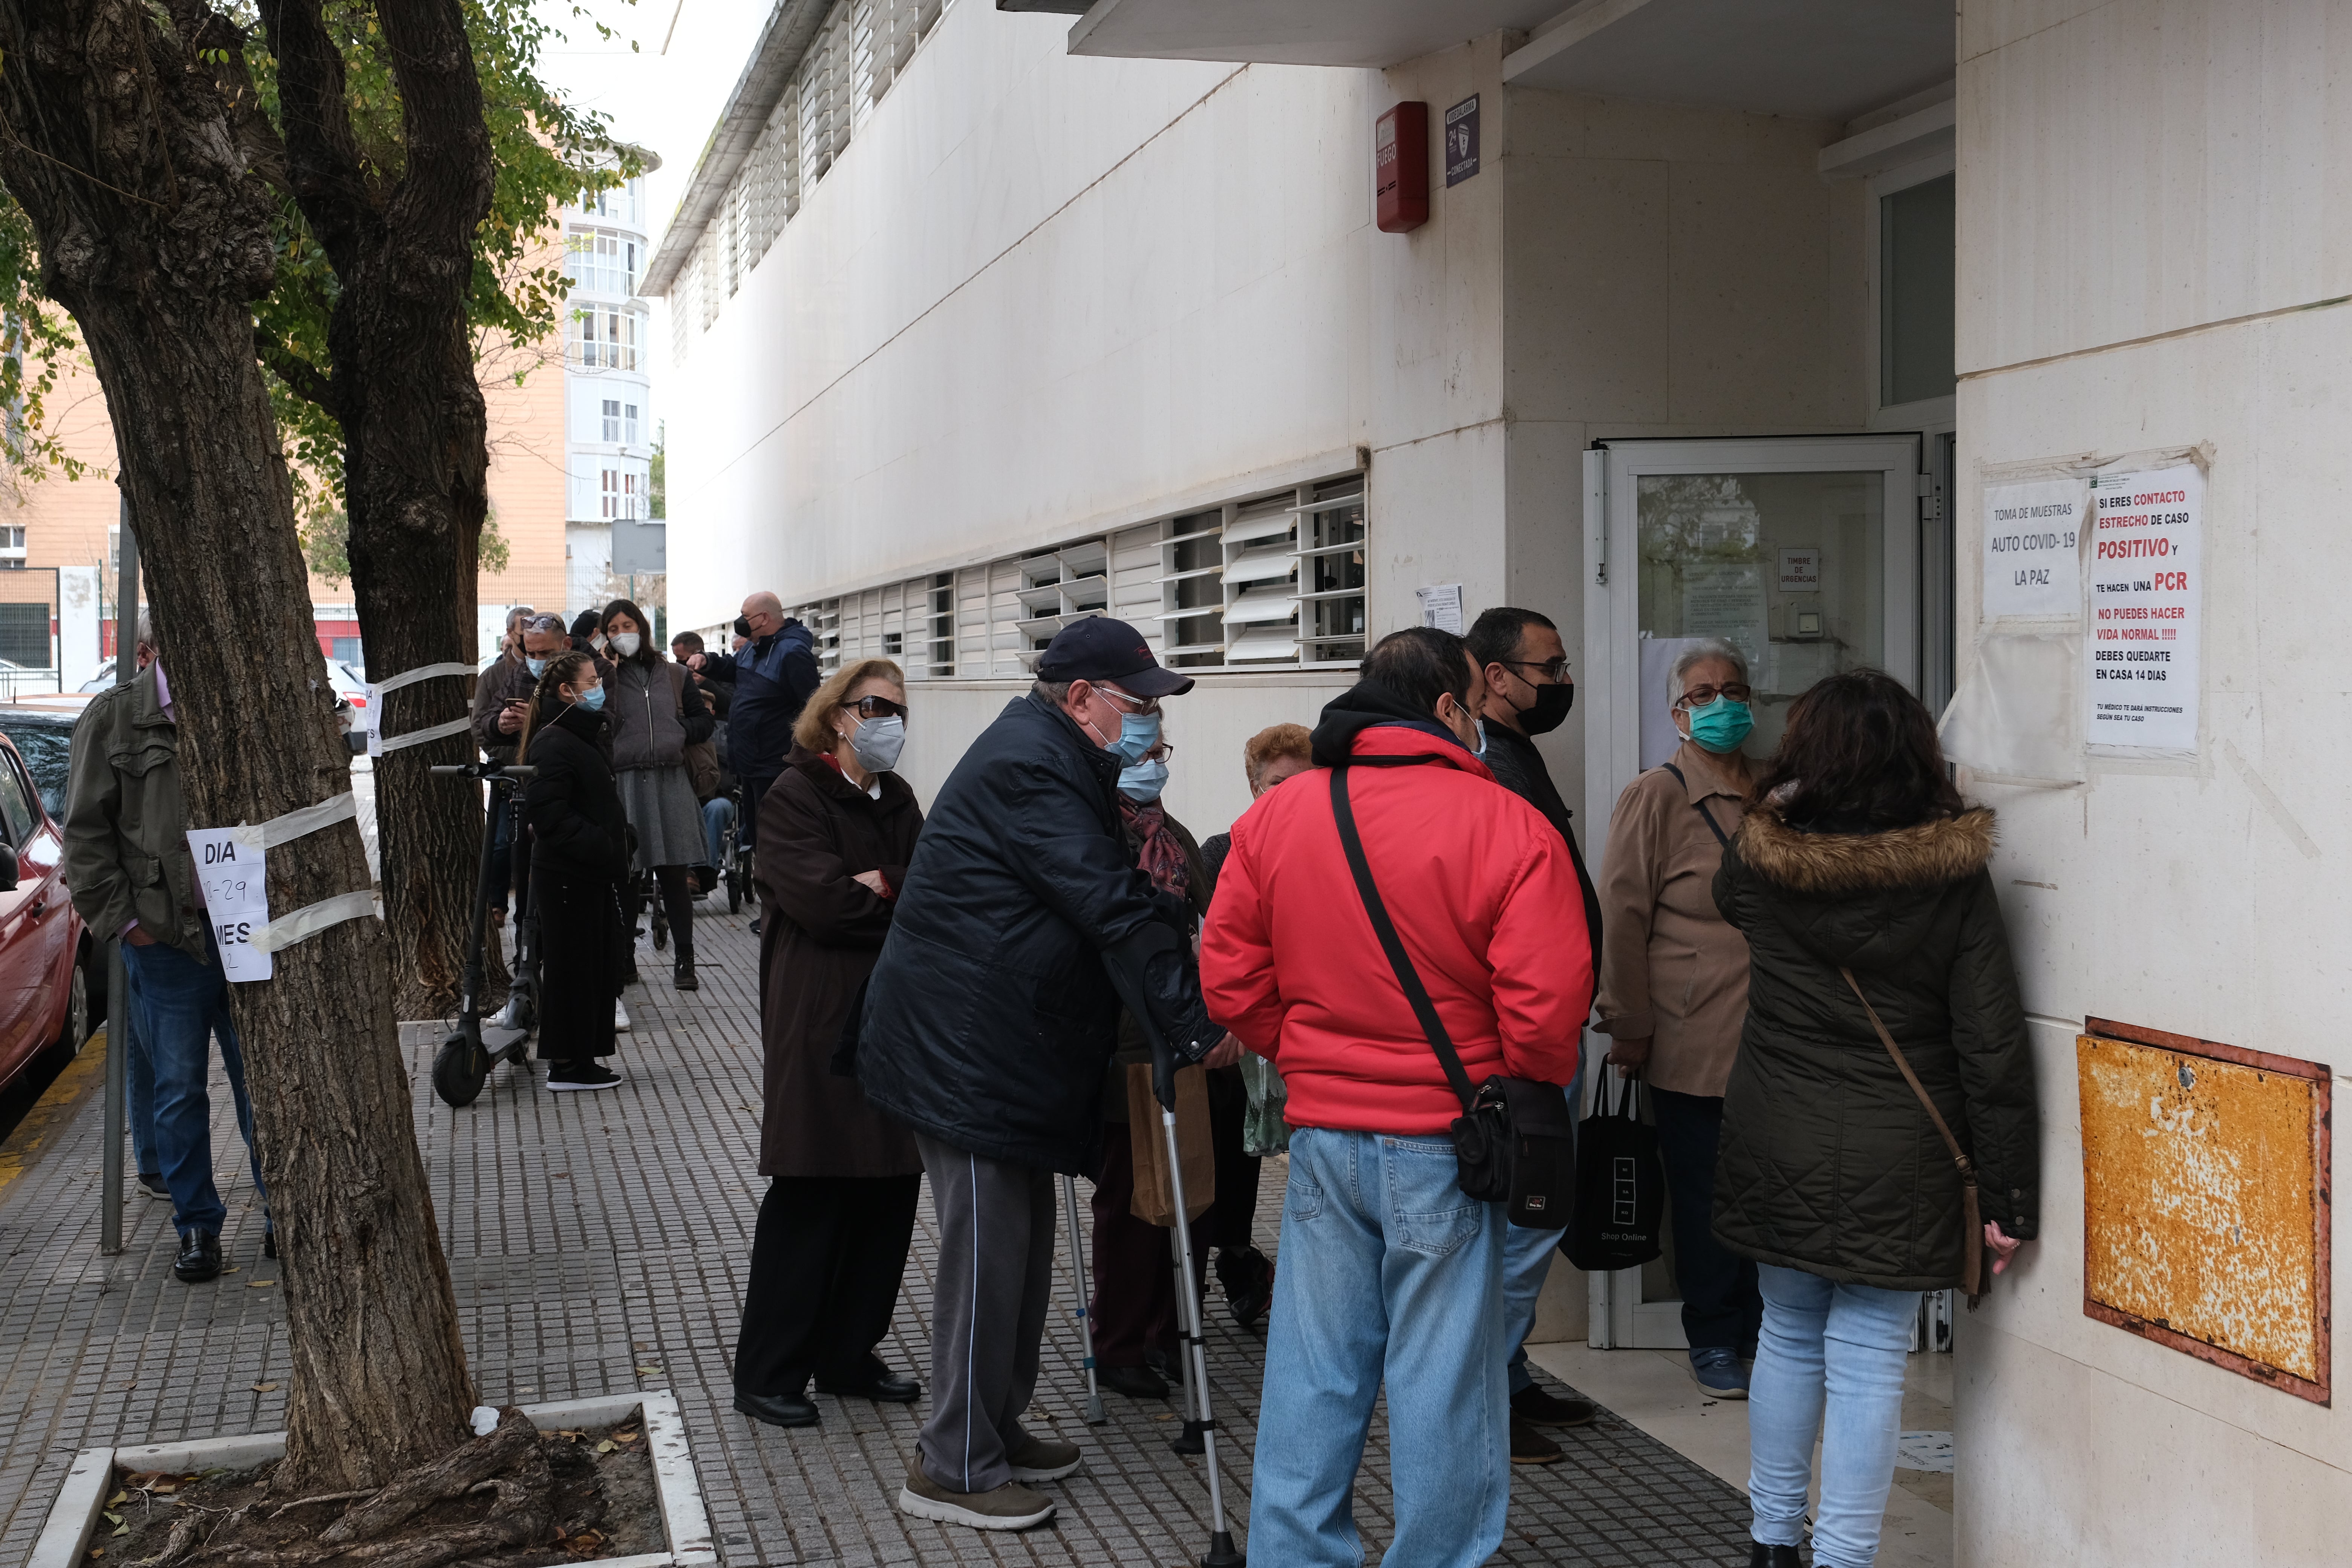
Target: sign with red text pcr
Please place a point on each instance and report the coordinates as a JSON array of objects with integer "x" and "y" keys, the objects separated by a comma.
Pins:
[{"x": 2142, "y": 669}]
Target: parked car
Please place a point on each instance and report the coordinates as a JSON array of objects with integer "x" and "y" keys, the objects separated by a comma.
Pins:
[{"x": 46, "y": 954}]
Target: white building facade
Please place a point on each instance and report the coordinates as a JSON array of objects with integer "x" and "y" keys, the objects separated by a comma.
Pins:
[
  {"x": 609, "y": 428},
  {"x": 1726, "y": 320}
]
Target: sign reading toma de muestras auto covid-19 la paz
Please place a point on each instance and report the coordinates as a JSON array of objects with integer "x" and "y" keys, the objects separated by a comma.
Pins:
[{"x": 2148, "y": 532}]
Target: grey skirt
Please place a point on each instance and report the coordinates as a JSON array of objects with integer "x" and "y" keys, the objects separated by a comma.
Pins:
[{"x": 661, "y": 806}]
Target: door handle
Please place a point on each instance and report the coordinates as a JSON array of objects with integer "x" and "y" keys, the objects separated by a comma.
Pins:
[{"x": 40, "y": 904}]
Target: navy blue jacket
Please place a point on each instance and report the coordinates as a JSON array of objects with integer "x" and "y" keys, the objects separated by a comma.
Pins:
[
  {"x": 770, "y": 681},
  {"x": 991, "y": 1013}
]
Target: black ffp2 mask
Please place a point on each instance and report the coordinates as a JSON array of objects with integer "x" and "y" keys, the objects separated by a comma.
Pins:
[{"x": 1549, "y": 711}]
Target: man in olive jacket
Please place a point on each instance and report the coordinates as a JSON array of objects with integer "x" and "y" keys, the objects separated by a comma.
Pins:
[
  {"x": 990, "y": 1020},
  {"x": 127, "y": 861}
]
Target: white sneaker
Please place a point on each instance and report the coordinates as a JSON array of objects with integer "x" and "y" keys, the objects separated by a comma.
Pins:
[
  {"x": 504, "y": 1018},
  {"x": 620, "y": 1017}
]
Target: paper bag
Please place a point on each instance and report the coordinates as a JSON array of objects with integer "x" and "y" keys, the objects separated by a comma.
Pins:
[{"x": 1155, "y": 1195}]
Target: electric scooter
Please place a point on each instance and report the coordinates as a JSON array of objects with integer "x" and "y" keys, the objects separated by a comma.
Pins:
[{"x": 463, "y": 1062}]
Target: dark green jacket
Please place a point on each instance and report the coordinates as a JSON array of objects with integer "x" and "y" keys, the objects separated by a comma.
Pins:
[
  {"x": 126, "y": 828},
  {"x": 1828, "y": 1162}
]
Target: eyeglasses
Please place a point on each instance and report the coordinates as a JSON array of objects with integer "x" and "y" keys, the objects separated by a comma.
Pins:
[
  {"x": 542, "y": 623},
  {"x": 1141, "y": 704},
  {"x": 1700, "y": 696},
  {"x": 1161, "y": 752},
  {"x": 1557, "y": 668},
  {"x": 877, "y": 707}
]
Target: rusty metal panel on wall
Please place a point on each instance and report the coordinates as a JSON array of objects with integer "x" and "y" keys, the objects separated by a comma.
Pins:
[{"x": 2205, "y": 1199}]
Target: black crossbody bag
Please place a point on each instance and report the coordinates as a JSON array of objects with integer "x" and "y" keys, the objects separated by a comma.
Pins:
[{"x": 1515, "y": 1141}]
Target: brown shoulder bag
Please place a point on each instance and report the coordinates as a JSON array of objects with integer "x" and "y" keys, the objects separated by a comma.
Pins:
[{"x": 1972, "y": 1244}]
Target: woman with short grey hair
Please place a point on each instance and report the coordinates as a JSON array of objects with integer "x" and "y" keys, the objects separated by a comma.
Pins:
[{"x": 1673, "y": 985}]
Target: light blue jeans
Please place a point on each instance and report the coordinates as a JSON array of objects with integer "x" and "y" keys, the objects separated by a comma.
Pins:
[
  {"x": 716, "y": 812},
  {"x": 1830, "y": 1361},
  {"x": 1527, "y": 1261},
  {"x": 1387, "y": 1273}
]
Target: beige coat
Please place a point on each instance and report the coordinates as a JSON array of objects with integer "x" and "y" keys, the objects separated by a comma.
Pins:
[{"x": 1672, "y": 969}]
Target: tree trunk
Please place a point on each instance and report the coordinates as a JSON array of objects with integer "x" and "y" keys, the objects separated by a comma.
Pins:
[
  {"x": 156, "y": 237},
  {"x": 416, "y": 433}
]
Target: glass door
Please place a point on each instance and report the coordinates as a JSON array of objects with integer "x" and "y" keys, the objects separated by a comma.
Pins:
[{"x": 1804, "y": 554}]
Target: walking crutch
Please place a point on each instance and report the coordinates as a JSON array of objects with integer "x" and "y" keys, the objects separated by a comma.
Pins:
[
  {"x": 1188, "y": 1305},
  {"x": 1095, "y": 1416}
]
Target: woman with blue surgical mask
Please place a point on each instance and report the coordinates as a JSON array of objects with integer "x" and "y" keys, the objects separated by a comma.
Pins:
[
  {"x": 1673, "y": 985},
  {"x": 580, "y": 858}
]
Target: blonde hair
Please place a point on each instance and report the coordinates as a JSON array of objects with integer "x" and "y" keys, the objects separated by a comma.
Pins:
[
  {"x": 1276, "y": 740},
  {"x": 813, "y": 729}
]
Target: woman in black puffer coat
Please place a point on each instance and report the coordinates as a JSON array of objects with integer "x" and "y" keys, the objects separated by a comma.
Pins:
[
  {"x": 1857, "y": 857},
  {"x": 580, "y": 857}
]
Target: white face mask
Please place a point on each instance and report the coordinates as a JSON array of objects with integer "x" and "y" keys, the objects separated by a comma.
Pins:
[
  {"x": 623, "y": 643},
  {"x": 876, "y": 743}
]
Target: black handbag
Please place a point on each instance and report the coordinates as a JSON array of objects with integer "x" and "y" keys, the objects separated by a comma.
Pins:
[
  {"x": 1515, "y": 1143},
  {"x": 1621, "y": 1187}
]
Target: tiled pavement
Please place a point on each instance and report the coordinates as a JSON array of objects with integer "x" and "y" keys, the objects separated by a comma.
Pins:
[{"x": 598, "y": 1243}]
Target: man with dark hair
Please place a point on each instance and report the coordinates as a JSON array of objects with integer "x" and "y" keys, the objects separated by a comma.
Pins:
[
  {"x": 1387, "y": 1272},
  {"x": 990, "y": 1019},
  {"x": 1523, "y": 669}
]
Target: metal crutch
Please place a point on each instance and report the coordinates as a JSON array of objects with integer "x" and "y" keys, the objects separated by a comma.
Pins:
[
  {"x": 1196, "y": 1365},
  {"x": 1095, "y": 1416}
]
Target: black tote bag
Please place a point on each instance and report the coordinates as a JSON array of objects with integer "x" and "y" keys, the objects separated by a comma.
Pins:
[{"x": 1621, "y": 1186}]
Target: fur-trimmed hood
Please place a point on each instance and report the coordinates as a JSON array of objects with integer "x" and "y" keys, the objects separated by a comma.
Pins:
[{"x": 1830, "y": 864}]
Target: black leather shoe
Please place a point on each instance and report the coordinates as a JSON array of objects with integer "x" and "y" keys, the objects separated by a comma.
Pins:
[
  {"x": 269, "y": 1242},
  {"x": 1248, "y": 1275},
  {"x": 199, "y": 1259},
  {"x": 1763, "y": 1556},
  {"x": 682, "y": 978},
  {"x": 1532, "y": 1404},
  {"x": 777, "y": 1409},
  {"x": 890, "y": 1387},
  {"x": 1135, "y": 1381}
]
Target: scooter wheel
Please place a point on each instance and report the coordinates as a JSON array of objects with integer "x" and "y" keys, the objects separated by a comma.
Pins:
[{"x": 456, "y": 1078}]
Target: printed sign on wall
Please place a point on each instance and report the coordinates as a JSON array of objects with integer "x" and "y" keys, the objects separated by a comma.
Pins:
[
  {"x": 2146, "y": 587},
  {"x": 1462, "y": 140},
  {"x": 2033, "y": 549}
]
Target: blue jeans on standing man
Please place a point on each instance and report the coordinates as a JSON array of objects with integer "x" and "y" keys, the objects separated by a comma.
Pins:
[
  {"x": 1387, "y": 1272},
  {"x": 1829, "y": 1359},
  {"x": 716, "y": 812},
  {"x": 182, "y": 1004}
]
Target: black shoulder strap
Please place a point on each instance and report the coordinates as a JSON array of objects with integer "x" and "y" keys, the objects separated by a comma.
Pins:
[
  {"x": 1698, "y": 805},
  {"x": 1390, "y": 943}
]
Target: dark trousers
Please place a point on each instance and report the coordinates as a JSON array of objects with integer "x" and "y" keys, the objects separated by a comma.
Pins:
[
  {"x": 1134, "y": 1306},
  {"x": 1232, "y": 1220},
  {"x": 754, "y": 789},
  {"x": 676, "y": 885},
  {"x": 825, "y": 1264},
  {"x": 1721, "y": 1308},
  {"x": 501, "y": 850}
]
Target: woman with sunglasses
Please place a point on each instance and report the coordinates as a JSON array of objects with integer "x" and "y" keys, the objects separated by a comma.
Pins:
[
  {"x": 836, "y": 831},
  {"x": 1673, "y": 985}
]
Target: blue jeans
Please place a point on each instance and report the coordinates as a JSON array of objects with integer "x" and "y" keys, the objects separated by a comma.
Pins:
[
  {"x": 1829, "y": 1359},
  {"x": 716, "y": 812},
  {"x": 182, "y": 1004},
  {"x": 1387, "y": 1272},
  {"x": 139, "y": 1084}
]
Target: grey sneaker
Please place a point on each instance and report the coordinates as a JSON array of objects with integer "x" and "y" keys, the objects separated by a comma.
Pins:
[
  {"x": 1010, "y": 1507},
  {"x": 1043, "y": 1460}
]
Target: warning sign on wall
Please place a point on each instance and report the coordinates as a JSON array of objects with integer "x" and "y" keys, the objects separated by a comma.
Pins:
[{"x": 2141, "y": 674}]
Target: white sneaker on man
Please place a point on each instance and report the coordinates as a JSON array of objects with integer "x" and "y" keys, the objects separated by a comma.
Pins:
[{"x": 620, "y": 1017}]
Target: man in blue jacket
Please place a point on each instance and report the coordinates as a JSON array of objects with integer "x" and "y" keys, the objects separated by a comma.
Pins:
[
  {"x": 768, "y": 681},
  {"x": 989, "y": 1023}
]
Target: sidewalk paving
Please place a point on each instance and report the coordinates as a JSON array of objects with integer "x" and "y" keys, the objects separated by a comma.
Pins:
[{"x": 597, "y": 1244}]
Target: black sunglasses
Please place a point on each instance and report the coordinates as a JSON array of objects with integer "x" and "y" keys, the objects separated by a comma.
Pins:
[{"x": 877, "y": 707}]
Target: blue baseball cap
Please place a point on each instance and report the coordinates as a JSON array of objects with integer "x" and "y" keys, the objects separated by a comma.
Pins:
[{"x": 1100, "y": 649}]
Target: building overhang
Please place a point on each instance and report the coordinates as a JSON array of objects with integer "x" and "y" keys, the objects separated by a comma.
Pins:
[{"x": 1814, "y": 59}]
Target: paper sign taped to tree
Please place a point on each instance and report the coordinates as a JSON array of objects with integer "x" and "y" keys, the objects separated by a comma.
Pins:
[
  {"x": 237, "y": 898},
  {"x": 2146, "y": 570}
]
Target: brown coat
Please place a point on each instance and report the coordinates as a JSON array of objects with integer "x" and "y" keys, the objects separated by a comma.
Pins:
[
  {"x": 1672, "y": 968},
  {"x": 822, "y": 934}
]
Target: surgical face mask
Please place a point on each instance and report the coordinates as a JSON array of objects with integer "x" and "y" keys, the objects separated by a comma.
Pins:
[
  {"x": 876, "y": 743},
  {"x": 1138, "y": 734},
  {"x": 593, "y": 700},
  {"x": 1482, "y": 740},
  {"x": 538, "y": 666},
  {"x": 624, "y": 644},
  {"x": 1143, "y": 782},
  {"x": 1721, "y": 725},
  {"x": 1549, "y": 711}
]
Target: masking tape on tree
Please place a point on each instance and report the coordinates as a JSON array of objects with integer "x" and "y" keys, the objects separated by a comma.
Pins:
[
  {"x": 418, "y": 737},
  {"x": 422, "y": 672},
  {"x": 295, "y": 824},
  {"x": 378, "y": 742},
  {"x": 312, "y": 919}
]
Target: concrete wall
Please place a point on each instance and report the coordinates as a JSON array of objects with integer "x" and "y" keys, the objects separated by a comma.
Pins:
[{"x": 2154, "y": 253}]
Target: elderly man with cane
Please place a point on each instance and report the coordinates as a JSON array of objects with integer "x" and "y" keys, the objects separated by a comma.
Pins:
[{"x": 988, "y": 1023}]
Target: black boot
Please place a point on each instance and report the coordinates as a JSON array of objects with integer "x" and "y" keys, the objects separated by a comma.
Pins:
[
  {"x": 1763, "y": 1556},
  {"x": 682, "y": 976}
]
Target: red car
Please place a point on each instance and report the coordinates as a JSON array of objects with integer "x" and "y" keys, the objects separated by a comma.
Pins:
[{"x": 45, "y": 952}]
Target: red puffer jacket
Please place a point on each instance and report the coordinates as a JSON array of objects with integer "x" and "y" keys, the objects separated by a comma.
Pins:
[{"x": 1483, "y": 893}]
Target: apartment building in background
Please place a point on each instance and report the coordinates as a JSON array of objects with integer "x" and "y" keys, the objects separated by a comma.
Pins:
[{"x": 611, "y": 540}]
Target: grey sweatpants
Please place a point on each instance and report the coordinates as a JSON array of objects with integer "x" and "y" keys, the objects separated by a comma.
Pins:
[{"x": 992, "y": 1291}]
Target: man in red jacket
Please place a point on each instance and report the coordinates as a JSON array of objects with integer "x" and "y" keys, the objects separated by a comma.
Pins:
[{"x": 1387, "y": 1270}]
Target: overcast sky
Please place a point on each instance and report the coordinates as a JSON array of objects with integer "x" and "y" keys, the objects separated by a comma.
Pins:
[{"x": 665, "y": 98}]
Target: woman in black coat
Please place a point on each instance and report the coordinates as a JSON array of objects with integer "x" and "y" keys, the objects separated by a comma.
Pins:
[
  {"x": 836, "y": 830},
  {"x": 1859, "y": 879},
  {"x": 579, "y": 861}
]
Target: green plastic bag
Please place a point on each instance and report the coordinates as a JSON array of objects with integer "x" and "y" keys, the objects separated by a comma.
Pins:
[{"x": 1263, "y": 1131}]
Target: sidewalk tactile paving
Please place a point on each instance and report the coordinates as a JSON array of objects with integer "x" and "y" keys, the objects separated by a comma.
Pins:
[{"x": 591, "y": 1234}]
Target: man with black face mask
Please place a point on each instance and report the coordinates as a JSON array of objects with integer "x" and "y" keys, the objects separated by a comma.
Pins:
[{"x": 1529, "y": 693}]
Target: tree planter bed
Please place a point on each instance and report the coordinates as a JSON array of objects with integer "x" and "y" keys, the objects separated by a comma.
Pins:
[{"x": 80, "y": 1501}]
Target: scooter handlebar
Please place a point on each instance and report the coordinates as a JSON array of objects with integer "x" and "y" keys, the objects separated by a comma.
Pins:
[{"x": 521, "y": 773}]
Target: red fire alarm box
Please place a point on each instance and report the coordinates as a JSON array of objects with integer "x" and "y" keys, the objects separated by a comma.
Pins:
[{"x": 1401, "y": 168}]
